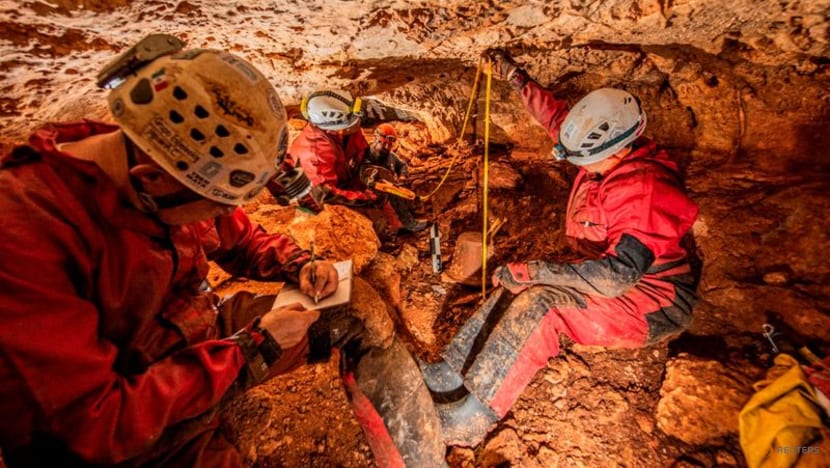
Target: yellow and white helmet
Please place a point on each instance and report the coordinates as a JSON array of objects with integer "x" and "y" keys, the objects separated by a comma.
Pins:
[
  {"x": 599, "y": 125},
  {"x": 332, "y": 109},
  {"x": 207, "y": 117}
]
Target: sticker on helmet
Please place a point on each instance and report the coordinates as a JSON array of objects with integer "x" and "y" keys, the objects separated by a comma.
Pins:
[
  {"x": 231, "y": 107},
  {"x": 240, "y": 178},
  {"x": 217, "y": 192},
  {"x": 253, "y": 192},
  {"x": 242, "y": 66},
  {"x": 210, "y": 169},
  {"x": 171, "y": 146},
  {"x": 265, "y": 177},
  {"x": 159, "y": 80},
  {"x": 197, "y": 180},
  {"x": 282, "y": 145},
  {"x": 568, "y": 130}
]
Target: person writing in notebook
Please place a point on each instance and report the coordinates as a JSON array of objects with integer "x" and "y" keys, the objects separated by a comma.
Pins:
[{"x": 113, "y": 353}]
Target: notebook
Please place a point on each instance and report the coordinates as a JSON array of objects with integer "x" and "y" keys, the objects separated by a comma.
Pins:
[{"x": 290, "y": 294}]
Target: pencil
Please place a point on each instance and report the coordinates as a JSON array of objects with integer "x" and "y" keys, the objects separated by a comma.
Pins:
[{"x": 314, "y": 274}]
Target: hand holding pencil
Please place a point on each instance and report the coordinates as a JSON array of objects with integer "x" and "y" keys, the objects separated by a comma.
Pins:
[{"x": 318, "y": 278}]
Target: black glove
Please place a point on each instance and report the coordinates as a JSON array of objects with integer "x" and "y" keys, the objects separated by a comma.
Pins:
[
  {"x": 505, "y": 68},
  {"x": 336, "y": 328}
]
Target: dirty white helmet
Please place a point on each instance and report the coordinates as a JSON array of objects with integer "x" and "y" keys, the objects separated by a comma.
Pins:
[
  {"x": 600, "y": 124},
  {"x": 332, "y": 109},
  {"x": 208, "y": 118}
]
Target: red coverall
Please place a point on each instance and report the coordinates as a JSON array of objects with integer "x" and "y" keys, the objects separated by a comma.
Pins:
[
  {"x": 634, "y": 286},
  {"x": 107, "y": 346},
  {"x": 332, "y": 161}
]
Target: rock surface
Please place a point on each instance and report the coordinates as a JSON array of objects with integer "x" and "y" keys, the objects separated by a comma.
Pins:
[{"x": 700, "y": 399}]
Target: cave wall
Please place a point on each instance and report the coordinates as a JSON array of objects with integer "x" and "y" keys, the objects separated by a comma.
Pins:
[{"x": 720, "y": 78}]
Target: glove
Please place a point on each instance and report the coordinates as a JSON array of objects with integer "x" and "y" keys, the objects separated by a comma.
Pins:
[
  {"x": 505, "y": 68},
  {"x": 335, "y": 329},
  {"x": 515, "y": 277}
]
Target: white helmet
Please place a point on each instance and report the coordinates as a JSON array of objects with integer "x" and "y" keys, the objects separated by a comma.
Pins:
[
  {"x": 332, "y": 109},
  {"x": 600, "y": 124},
  {"x": 208, "y": 118}
]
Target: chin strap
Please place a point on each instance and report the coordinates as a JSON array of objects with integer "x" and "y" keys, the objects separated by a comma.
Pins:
[{"x": 150, "y": 203}]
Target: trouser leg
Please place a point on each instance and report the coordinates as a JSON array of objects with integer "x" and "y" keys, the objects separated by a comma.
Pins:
[
  {"x": 382, "y": 381},
  {"x": 393, "y": 406},
  {"x": 486, "y": 349},
  {"x": 501, "y": 348},
  {"x": 527, "y": 336}
]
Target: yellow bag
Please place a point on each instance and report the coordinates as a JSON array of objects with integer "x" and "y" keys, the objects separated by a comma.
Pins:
[{"x": 781, "y": 425}]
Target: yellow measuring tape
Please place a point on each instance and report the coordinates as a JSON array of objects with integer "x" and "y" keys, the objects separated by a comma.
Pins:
[
  {"x": 473, "y": 93},
  {"x": 486, "y": 179}
]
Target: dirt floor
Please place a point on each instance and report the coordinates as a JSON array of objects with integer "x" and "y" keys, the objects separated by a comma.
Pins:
[{"x": 590, "y": 406}]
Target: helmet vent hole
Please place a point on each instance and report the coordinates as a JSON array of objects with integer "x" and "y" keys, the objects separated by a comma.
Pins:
[
  {"x": 201, "y": 112},
  {"x": 142, "y": 92},
  {"x": 239, "y": 148},
  {"x": 179, "y": 94},
  {"x": 604, "y": 127},
  {"x": 175, "y": 117},
  {"x": 594, "y": 136},
  {"x": 586, "y": 145},
  {"x": 182, "y": 166},
  {"x": 221, "y": 131},
  {"x": 216, "y": 152},
  {"x": 196, "y": 134}
]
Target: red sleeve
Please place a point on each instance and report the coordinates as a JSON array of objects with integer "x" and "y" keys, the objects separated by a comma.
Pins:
[
  {"x": 544, "y": 107},
  {"x": 54, "y": 352},
  {"x": 247, "y": 250}
]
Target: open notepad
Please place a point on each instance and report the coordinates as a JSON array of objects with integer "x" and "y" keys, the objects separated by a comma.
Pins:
[{"x": 290, "y": 294}]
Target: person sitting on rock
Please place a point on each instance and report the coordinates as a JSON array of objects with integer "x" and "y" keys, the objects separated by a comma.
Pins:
[
  {"x": 113, "y": 351},
  {"x": 628, "y": 213},
  {"x": 331, "y": 150}
]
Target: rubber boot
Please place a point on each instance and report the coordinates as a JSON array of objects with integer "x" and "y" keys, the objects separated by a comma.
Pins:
[
  {"x": 445, "y": 385},
  {"x": 464, "y": 418},
  {"x": 394, "y": 407},
  {"x": 466, "y": 421}
]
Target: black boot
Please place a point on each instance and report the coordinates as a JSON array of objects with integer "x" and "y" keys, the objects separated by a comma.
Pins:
[
  {"x": 464, "y": 418},
  {"x": 445, "y": 385},
  {"x": 465, "y": 422}
]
